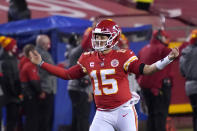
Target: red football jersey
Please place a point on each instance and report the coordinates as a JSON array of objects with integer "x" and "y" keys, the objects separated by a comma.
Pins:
[
  {"x": 109, "y": 75},
  {"x": 28, "y": 71}
]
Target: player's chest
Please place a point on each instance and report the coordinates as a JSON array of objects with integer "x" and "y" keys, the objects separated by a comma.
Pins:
[{"x": 108, "y": 64}]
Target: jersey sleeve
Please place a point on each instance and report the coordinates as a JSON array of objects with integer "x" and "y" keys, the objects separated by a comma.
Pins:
[
  {"x": 75, "y": 72},
  {"x": 131, "y": 62}
]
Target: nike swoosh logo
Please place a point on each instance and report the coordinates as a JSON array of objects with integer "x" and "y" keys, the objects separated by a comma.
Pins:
[{"x": 124, "y": 115}]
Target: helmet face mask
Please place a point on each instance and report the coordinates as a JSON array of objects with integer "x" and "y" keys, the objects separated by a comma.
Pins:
[{"x": 105, "y": 35}]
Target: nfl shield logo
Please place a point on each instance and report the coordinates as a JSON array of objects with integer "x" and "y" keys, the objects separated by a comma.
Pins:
[{"x": 114, "y": 63}]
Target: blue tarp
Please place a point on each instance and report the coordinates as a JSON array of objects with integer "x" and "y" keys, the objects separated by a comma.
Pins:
[
  {"x": 25, "y": 31},
  {"x": 60, "y": 23}
]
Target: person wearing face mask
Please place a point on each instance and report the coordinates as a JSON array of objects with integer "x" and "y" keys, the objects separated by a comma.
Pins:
[
  {"x": 156, "y": 88},
  {"x": 188, "y": 69},
  {"x": 10, "y": 81},
  {"x": 48, "y": 85},
  {"x": 18, "y": 10}
]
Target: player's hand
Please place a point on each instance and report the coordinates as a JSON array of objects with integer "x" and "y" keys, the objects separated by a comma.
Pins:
[
  {"x": 35, "y": 57},
  {"x": 173, "y": 54},
  {"x": 42, "y": 95},
  {"x": 90, "y": 97}
]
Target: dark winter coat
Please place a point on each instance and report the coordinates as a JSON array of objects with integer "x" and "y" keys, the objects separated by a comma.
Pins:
[{"x": 10, "y": 80}]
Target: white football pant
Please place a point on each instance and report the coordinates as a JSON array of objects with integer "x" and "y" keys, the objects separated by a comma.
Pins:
[{"x": 123, "y": 118}]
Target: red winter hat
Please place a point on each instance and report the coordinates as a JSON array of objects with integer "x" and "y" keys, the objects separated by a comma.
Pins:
[
  {"x": 7, "y": 43},
  {"x": 193, "y": 37}
]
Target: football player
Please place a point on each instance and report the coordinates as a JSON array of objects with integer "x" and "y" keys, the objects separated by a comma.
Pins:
[{"x": 108, "y": 70}]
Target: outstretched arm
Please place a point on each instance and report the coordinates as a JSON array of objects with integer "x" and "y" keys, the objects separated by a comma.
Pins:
[
  {"x": 159, "y": 65},
  {"x": 74, "y": 72}
]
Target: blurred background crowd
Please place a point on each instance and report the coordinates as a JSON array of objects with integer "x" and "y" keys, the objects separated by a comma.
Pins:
[{"x": 33, "y": 100}]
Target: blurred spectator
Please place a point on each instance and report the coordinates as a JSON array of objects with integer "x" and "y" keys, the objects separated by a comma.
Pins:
[
  {"x": 156, "y": 88},
  {"x": 48, "y": 85},
  {"x": 2, "y": 98},
  {"x": 18, "y": 10},
  {"x": 189, "y": 71},
  {"x": 11, "y": 83},
  {"x": 123, "y": 42},
  {"x": 144, "y": 4},
  {"x": 79, "y": 89},
  {"x": 30, "y": 82},
  {"x": 87, "y": 36},
  {"x": 189, "y": 40}
]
